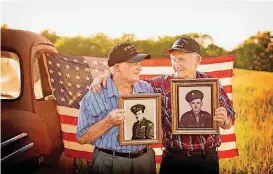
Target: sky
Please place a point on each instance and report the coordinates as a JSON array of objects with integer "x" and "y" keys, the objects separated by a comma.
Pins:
[{"x": 229, "y": 23}]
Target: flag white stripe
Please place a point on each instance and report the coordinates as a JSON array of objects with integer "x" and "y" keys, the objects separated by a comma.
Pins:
[
  {"x": 225, "y": 81},
  {"x": 78, "y": 147},
  {"x": 158, "y": 151},
  {"x": 63, "y": 110},
  {"x": 227, "y": 146},
  {"x": 68, "y": 128},
  {"x": 169, "y": 70},
  {"x": 229, "y": 96},
  {"x": 215, "y": 67},
  {"x": 227, "y": 131},
  {"x": 156, "y": 70}
]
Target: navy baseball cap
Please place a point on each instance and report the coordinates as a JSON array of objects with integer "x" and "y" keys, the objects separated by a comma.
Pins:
[
  {"x": 125, "y": 52},
  {"x": 184, "y": 44}
]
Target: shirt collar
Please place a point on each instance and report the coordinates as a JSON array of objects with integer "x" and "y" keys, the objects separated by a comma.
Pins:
[{"x": 111, "y": 88}]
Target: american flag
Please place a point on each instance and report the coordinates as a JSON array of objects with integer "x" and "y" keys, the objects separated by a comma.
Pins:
[{"x": 71, "y": 76}]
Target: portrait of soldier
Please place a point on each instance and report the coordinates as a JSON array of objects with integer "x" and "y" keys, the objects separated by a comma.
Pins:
[
  {"x": 196, "y": 118},
  {"x": 142, "y": 128}
]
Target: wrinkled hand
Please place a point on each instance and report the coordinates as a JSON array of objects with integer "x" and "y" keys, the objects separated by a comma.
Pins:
[
  {"x": 220, "y": 115},
  {"x": 97, "y": 82},
  {"x": 115, "y": 117}
]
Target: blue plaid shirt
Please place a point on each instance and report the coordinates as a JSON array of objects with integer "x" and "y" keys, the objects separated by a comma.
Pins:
[{"x": 96, "y": 106}]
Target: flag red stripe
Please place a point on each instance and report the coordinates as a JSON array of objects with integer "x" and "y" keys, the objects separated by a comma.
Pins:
[
  {"x": 69, "y": 137},
  {"x": 220, "y": 59},
  {"x": 156, "y": 62},
  {"x": 220, "y": 74},
  {"x": 167, "y": 61},
  {"x": 64, "y": 119},
  {"x": 228, "y": 88},
  {"x": 158, "y": 158},
  {"x": 78, "y": 154},
  {"x": 228, "y": 153},
  {"x": 156, "y": 145},
  {"x": 228, "y": 138}
]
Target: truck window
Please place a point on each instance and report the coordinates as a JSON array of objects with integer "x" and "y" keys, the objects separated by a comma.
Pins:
[
  {"x": 38, "y": 91},
  {"x": 42, "y": 90},
  {"x": 10, "y": 77}
]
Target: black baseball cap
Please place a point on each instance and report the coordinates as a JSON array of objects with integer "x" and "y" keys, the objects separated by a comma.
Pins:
[
  {"x": 125, "y": 52},
  {"x": 184, "y": 44}
]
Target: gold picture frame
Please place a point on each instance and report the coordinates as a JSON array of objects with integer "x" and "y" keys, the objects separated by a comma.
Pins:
[
  {"x": 142, "y": 124},
  {"x": 190, "y": 114}
]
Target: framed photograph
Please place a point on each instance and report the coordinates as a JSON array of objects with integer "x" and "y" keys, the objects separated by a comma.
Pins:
[
  {"x": 193, "y": 106},
  {"x": 142, "y": 124}
]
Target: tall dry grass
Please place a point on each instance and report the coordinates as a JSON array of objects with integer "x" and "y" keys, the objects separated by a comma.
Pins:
[{"x": 253, "y": 103}]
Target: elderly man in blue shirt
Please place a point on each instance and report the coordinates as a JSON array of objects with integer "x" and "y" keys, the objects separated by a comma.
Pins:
[{"x": 100, "y": 117}]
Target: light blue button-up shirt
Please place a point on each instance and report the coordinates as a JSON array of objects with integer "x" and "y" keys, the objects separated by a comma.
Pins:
[{"x": 96, "y": 106}]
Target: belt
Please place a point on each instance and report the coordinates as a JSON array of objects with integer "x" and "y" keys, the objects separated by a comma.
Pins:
[
  {"x": 192, "y": 153},
  {"x": 128, "y": 155}
]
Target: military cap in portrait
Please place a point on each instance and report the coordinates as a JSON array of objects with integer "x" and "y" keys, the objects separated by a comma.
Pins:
[
  {"x": 137, "y": 107},
  {"x": 194, "y": 94}
]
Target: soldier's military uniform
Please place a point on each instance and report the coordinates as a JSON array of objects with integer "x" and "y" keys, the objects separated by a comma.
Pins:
[
  {"x": 191, "y": 120},
  {"x": 143, "y": 129}
]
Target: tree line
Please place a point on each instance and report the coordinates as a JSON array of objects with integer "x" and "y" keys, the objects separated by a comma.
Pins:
[{"x": 254, "y": 53}]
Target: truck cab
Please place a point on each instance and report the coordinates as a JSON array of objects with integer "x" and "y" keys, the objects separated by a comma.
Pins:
[{"x": 31, "y": 139}]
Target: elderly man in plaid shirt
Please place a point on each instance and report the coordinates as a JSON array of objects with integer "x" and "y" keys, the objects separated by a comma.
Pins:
[{"x": 187, "y": 153}]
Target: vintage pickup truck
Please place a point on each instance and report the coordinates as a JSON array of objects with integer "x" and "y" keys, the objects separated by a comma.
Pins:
[{"x": 31, "y": 139}]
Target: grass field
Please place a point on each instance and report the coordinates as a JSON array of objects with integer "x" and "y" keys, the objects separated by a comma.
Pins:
[{"x": 253, "y": 103}]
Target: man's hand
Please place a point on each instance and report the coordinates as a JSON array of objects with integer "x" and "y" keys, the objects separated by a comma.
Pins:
[
  {"x": 221, "y": 116},
  {"x": 115, "y": 117},
  {"x": 98, "y": 81}
]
